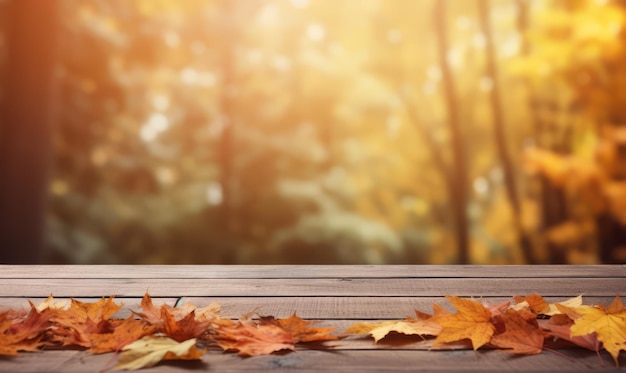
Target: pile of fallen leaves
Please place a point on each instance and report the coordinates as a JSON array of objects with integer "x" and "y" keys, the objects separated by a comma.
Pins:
[
  {"x": 186, "y": 332},
  {"x": 521, "y": 328},
  {"x": 150, "y": 336}
]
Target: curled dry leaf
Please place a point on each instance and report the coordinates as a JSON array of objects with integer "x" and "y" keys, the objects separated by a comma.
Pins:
[{"x": 409, "y": 327}]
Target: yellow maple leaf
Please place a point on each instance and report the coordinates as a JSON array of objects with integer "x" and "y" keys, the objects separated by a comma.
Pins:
[
  {"x": 149, "y": 351},
  {"x": 382, "y": 329},
  {"x": 472, "y": 321},
  {"x": 609, "y": 323}
]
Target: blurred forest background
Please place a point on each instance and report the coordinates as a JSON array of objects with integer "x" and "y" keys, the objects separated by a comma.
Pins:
[{"x": 313, "y": 131}]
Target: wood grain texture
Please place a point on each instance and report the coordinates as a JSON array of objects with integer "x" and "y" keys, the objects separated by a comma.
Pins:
[
  {"x": 337, "y": 296},
  {"x": 329, "y": 361},
  {"x": 307, "y": 271},
  {"x": 400, "y": 287},
  {"x": 318, "y": 308}
]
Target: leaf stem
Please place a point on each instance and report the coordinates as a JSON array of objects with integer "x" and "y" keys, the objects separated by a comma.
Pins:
[
  {"x": 560, "y": 354},
  {"x": 108, "y": 364}
]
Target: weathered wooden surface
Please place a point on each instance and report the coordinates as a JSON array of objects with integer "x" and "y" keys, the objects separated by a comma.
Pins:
[{"x": 335, "y": 295}]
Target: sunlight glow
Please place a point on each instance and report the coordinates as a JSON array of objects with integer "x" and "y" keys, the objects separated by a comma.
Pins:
[
  {"x": 191, "y": 76},
  {"x": 316, "y": 32},
  {"x": 481, "y": 186},
  {"x": 479, "y": 41},
  {"x": 511, "y": 45},
  {"x": 394, "y": 36},
  {"x": 160, "y": 102},
  {"x": 171, "y": 39},
  {"x": 300, "y": 3},
  {"x": 455, "y": 57},
  {"x": 486, "y": 84},
  {"x": 155, "y": 124},
  {"x": 434, "y": 73},
  {"x": 214, "y": 194}
]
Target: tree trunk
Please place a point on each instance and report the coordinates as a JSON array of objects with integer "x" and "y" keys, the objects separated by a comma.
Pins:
[
  {"x": 499, "y": 131},
  {"x": 459, "y": 193},
  {"x": 25, "y": 128},
  {"x": 552, "y": 199},
  {"x": 225, "y": 155}
]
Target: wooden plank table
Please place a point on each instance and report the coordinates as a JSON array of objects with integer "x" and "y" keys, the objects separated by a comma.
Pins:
[{"x": 338, "y": 296}]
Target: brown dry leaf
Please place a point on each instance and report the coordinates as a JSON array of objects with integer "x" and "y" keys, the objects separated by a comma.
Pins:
[
  {"x": 560, "y": 326},
  {"x": 148, "y": 352},
  {"x": 250, "y": 339},
  {"x": 151, "y": 313},
  {"x": 74, "y": 325},
  {"x": 22, "y": 333},
  {"x": 522, "y": 333},
  {"x": 117, "y": 334},
  {"x": 472, "y": 321},
  {"x": 155, "y": 315},
  {"x": 103, "y": 309},
  {"x": 300, "y": 330},
  {"x": 186, "y": 328},
  {"x": 209, "y": 312},
  {"x": 609, "y": 323},
  {"x": 498, "y": 309}
]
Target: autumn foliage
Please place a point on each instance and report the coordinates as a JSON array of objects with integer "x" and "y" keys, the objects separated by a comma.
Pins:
[
  {"x": 521, "y": 328},
  {"x": 155, "y": 333},
  {"x": 149, "y": 335}
]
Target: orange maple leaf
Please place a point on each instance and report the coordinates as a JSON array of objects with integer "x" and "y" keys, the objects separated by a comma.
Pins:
[
  {"x": 521, "y": 333},
  {"x": 122, "y": 332},
  {"x": 250, "y": 339},
  {"x": 154, "y": 315},
  {"x": 300, "y": 330},
  {"x": 73, "y": 325},
  {"x": 22, "y": 333},
  {"x": 103, "y": 309},
  {"x": 535, "y": 302},
  {"x": 472, "y": 321},
  {"x": 186, "y": 328}
]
